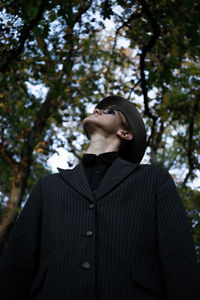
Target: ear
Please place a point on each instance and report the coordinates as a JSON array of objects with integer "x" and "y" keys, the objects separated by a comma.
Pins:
[{"x": 124, "y": 135}]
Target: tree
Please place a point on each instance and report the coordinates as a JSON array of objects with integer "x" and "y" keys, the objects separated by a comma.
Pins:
[
  {"x": 32, "y": 53},
  {"x": 151, "y": 57}
]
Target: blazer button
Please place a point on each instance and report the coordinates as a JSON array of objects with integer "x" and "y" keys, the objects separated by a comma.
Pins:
[
  {"x": 91, "y": 206},
  {"x": 89, "y": 233},
  {"x": 85, "y": 265}
]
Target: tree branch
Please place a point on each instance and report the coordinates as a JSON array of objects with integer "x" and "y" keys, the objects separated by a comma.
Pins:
[
  {"x": 7, "y": 157},
  {"x": 13, "y": 54},
  {"x": 145, "y": 50},
  {"x": 155, "y": 143},
  {"x": 125, "y": 23},
  {"x": 138, "y": 82},
  {"x": 38, "y": 127},
  {"x": 192, "y": 161},
  {"x": 81, "y": 11}
]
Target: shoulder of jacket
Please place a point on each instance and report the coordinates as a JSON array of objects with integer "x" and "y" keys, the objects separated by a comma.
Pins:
[
  {"x": 49, "y": 178},
  {"x": 153, "y": 169}
]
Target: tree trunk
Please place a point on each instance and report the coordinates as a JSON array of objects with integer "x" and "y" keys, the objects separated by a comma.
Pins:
[
  {"x": 10, "y": 211},
  {"x": 153, "y": 155}
]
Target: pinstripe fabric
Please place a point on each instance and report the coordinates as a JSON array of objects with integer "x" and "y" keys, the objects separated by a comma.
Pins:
[{"x": 131, "y": 240}]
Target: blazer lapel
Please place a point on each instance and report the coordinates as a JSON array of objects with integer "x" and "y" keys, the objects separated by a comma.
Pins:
[
  {"x": 115, "y": 174},
  {"x": 77, "y": 179}
]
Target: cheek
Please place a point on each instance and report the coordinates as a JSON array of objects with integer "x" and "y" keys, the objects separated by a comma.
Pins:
[{"x": 114, "y": 123}]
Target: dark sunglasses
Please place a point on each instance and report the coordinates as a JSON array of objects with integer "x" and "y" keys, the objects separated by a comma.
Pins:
[{"x": 110, "y": 111}]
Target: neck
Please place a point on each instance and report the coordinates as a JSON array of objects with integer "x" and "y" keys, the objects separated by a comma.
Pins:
[{"x": 100, "y": 144}]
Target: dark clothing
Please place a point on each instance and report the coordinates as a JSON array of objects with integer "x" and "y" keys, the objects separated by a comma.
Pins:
[
  {"x": 131, "y": 237},
  {"x": 95, "y": 167}
]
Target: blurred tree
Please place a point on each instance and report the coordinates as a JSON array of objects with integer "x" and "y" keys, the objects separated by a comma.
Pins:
[
  {"x": 151, "y": 57},
  {"x": 40, "y": 45}
]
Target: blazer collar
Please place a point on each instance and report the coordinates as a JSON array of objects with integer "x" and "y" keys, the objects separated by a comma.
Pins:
[{"x": 116, "y": 173}]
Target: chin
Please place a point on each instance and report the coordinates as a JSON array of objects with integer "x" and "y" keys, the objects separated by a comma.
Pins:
[{"x": 89, "y": 120}]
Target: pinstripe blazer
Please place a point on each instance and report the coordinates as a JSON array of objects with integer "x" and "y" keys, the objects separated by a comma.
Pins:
[{"x": 129, "y": 240}]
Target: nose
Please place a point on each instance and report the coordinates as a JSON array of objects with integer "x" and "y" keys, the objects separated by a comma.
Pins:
[{"x": 97, "y": 111}]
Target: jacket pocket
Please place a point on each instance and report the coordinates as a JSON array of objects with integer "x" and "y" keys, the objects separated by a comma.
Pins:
[
  {"x": 150, "y": 281},
  {"x": 39, "y": 280}
]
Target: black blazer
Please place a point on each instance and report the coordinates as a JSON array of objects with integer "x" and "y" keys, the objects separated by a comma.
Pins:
[{"x": 129, "y": 240}]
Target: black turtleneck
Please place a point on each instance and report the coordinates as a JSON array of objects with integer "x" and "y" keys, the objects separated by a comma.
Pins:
[{"x": 96, "y": 166}]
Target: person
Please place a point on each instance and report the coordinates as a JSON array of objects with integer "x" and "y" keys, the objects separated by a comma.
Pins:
[{"x": 111, "y": 228}]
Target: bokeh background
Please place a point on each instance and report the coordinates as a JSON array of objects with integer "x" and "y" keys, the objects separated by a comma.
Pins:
[{"x": 59, "y": 58}]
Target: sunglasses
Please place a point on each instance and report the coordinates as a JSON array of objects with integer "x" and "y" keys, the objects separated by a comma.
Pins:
[{"x": 110, "y": 111}]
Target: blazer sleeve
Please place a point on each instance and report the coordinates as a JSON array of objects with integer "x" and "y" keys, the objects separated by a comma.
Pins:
[
  {"x": 19, "y": 261},
  {"x": 175, "y": 243}
]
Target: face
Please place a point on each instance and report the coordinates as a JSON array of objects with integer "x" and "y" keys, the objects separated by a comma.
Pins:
[{"x": 108, "y": 121}]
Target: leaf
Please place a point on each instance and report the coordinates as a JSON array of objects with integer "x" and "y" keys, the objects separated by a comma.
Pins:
[{"x": 39, "y": 150}]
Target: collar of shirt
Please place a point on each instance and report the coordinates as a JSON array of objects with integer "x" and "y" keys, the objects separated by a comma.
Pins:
[{"x": 106, "y": 158}]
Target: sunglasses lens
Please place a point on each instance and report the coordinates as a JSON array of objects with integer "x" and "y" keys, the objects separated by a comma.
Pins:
[{"x": 110, "y": 112}]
